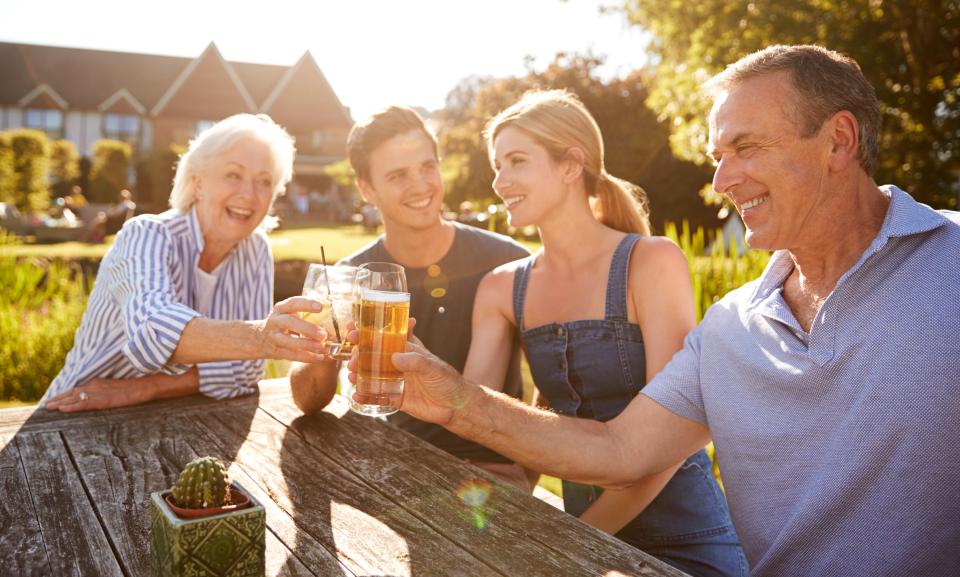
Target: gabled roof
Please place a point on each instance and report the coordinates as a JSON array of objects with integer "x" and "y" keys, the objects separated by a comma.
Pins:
[
  {"x": 84, "y": 78},
  {"x": 260, "y": 79},
  {"x": 204, "y": 88},
  {"x": 303, "y": 97},
  {"x": 122, "y": 102},
  {"x": 44, "y": 95}
]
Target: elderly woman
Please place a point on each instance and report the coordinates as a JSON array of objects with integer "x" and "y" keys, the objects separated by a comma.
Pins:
[{"x": 174, "y": 307}]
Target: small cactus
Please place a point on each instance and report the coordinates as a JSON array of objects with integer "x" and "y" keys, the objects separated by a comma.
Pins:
[{"x": 202, "y": 483}]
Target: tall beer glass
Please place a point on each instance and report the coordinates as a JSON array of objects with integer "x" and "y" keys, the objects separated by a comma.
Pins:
[
  {"x": 384, "y": 310},
  {"x": 335, "y": 287}
]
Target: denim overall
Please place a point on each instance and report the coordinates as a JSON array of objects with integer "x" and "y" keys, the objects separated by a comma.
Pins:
[{"x": 592, "y": 369}]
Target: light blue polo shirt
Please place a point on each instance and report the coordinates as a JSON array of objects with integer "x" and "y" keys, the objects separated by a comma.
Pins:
[{"x": 839, "y": 448}]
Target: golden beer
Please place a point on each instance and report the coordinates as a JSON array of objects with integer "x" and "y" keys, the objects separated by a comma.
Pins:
[{"x": 383, "y": 331}]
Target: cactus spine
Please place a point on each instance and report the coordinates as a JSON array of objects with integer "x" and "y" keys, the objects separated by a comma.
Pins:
[{"x": 202, "y": 483}]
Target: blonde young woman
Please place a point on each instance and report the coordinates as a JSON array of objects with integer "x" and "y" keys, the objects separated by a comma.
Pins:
[{"x": 600, "y": 308}]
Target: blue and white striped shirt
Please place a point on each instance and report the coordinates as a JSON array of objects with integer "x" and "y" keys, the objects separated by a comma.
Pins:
[
  {"x": 839, "y": 447},
  {"x": 145, "y": 294}
]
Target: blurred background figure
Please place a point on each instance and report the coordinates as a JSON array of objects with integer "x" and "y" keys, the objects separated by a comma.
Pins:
[
  {"x": 467, "y": 214},
  {"x": 120, "y": 213}
]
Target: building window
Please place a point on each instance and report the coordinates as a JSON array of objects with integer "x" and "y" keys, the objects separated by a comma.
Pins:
[
  {"x": 122, "y": 127},
  {"x": 47, "y": 120}
]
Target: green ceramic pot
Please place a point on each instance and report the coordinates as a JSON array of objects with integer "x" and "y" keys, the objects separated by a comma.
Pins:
[{"x": 223, "y": 544}]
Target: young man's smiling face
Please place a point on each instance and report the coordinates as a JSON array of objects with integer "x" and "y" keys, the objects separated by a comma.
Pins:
[{"x": 404, "y": 181}]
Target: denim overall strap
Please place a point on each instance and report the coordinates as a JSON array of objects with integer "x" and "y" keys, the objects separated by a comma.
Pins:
[
  {"x": 520, "y": 279},
  {"x": 615, "y": 308}
]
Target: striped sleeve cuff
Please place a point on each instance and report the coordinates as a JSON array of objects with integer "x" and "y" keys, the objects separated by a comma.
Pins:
[
  {"x": 230, "y": 379},
  {"x": 151, "y": 343}
]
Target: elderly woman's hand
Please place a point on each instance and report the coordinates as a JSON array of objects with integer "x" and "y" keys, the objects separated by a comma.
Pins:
[
  {"x": 284, "y": 335},
  {"x": 112, "y": 393}
]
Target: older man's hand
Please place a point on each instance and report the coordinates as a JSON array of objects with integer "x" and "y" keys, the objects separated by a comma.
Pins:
[{"x": 432, "y": 389}]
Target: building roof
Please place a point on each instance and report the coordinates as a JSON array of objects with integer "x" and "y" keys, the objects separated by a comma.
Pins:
[
  {"x": 85, "y": 78},
  {"x": 199, "y": 87}
]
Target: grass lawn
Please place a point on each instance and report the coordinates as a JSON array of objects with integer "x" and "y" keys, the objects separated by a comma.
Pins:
[
  {"x": 14, "y": 404},
  {"x": 288, "y": 244}
]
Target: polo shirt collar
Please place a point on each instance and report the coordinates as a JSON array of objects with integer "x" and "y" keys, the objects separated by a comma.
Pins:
[{"x": 904, "y": 217}]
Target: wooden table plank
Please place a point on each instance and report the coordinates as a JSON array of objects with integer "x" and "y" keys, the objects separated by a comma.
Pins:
[
  {"x": 293, "y": 551},
  {"x": 21, "y": 544},
  {"x": 370, "y": 534},
  {"x": 74, "y": 539},
  {"x": 34, "y": 419},
  {"x": 344, "y": 495},
  {"x": 399, "y": 467},
  {"x": 122, "y": 463}
]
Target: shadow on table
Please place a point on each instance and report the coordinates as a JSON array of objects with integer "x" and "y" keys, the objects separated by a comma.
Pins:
[{"x": 370, "y": 535}]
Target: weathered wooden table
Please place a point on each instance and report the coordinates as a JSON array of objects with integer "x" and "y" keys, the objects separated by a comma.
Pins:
[{"x": 344, "y": 495}]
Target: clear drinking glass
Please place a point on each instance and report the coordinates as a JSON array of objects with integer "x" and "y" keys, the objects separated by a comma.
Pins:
[
  {"x": 334, "y": 286},
  {"x": 382, "y": 322}
]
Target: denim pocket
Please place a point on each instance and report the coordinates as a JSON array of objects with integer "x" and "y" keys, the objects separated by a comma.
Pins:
[{"x": 690, "y": 507}]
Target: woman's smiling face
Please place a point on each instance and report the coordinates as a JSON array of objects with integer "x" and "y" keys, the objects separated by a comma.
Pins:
[{"x": 234, "y": 194}]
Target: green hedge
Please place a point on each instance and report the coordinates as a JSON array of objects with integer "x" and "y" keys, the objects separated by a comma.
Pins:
[
  {"x": 41, "y": 303},
  {"x": 716, "y": 270}
]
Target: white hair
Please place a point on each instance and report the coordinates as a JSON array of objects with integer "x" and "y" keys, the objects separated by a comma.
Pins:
[{"x": 220, "y": 137}]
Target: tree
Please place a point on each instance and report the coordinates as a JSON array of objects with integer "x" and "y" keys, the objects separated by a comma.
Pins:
[
  {"x": 111, "y": 168},
  {"x": 908, "y": 49},
  {"x": 31, "y": 163},
  {"x": 155, "y": 177},
  {"x": 635, "y": 141},
  {"x": 64, "y": 167},
  {"x": 340, "y": 172},
  {"x": 6, "y": 168}
]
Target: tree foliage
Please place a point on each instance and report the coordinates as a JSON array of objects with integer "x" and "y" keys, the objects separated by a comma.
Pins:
[
  {"x": 155, "y": 174},
  {"x": 64, "y": 166},
  {"x": 908, "y": 49},
  {"x": 31, "y": 163},
  {"x": 635, "y": 141},
  {"x": 6, "y": 168},
  {"x": 111, "y": 169}
]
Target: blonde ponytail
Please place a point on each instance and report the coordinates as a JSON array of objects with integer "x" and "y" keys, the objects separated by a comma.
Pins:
[{"x": 621, "y": 205}]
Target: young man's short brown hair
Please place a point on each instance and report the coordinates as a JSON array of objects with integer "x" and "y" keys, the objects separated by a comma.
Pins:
[{"x": 367, "y": 135}]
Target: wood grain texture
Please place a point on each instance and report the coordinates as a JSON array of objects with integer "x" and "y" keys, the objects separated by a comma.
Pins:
[
  {"x": 425, "y": 481},
  {"x": 72, "y": 534},
  {"x": 290, "y": 550},
  {"x": 21, "y": 545},
  {"x": 123, "y": 463},
  {"x": 369, "y": 534},
  {"x": 344, "y": 495}
]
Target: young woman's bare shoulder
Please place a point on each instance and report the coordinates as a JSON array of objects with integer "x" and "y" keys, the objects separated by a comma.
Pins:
[
  {"x": 497, "y": 285},
  {"x": 657, "y": 251},
  {"x": 657, "y": 258}
]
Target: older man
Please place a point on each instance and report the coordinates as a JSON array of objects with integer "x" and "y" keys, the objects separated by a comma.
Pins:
[{"x": 830, "y": 385}]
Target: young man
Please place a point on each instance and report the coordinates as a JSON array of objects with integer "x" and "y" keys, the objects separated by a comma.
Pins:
[
  {"x": 829, "y": 385},
  {"x": 394, "y": 156}
]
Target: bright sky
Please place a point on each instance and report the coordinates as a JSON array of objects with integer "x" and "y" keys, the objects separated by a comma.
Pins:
[{"x": 374, "y": 53}]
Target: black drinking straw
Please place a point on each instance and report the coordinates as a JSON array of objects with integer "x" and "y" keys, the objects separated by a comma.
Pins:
[{"x": 333, "y": 314}]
